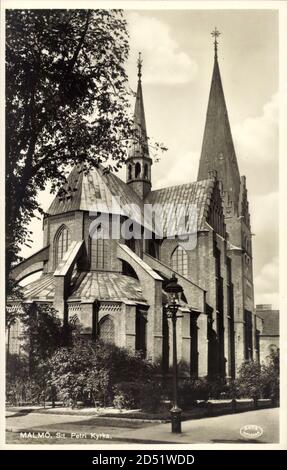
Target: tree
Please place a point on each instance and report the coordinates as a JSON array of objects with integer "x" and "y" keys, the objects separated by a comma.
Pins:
[
  {"x": 260, "y": 380},
  {"x": 271, "y": 376},
  {"x": 42, "y": 334},
  {"x": 66, "y": 104}
]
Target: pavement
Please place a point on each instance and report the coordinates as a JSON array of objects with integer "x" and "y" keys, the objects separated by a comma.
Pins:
[{"x": 258, "y": 426}]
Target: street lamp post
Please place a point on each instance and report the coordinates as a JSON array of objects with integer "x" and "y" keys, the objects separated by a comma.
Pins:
[{"x": 173, "y": 289}]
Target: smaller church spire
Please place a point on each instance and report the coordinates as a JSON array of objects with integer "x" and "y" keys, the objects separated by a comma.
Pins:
[
  {"x": 215, "y": 33},
  {"x": 139, "y": 114},
  {"x": 138, "y": 161},
  {"x": 140, "y": 63}
]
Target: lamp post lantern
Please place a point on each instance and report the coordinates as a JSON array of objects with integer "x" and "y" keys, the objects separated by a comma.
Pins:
[{"x": 173, "y": 289}]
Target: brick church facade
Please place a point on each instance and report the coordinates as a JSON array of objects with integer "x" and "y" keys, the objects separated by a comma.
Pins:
[{"x": 115, "y": 287}]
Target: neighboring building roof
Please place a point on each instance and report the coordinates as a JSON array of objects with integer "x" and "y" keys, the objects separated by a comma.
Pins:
[
  {"x": 270, "y": 321},
  {"x": 263, "y": 307},
  {"x": 89, "y": 285},
  {"x": 197, "y": 193}
]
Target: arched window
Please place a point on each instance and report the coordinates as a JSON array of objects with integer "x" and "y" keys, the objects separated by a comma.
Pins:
[
  {"x": 62, "y": 242},
  {"x": 129, "y": 172},
  {"x": 107, "y": 329},
  {"x": 137, "y": 169},
  {"x": 14, "y": 337},
  {"x": 179, "y": 261},
  {"x": 145, "y": 171}
]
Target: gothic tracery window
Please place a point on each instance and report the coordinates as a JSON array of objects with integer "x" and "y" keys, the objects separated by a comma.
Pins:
[
  {"x": 107, "y": 329},
  {"x": 179, "y": 261}
]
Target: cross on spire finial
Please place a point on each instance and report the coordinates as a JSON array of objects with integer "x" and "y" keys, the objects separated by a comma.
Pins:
[
  {"x": 140, "y": 63},
  {"x": 215, "y": 33}
]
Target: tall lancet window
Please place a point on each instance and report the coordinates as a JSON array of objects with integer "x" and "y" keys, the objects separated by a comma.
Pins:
[
  {"x": 137, "y": 170},
  {"x": 129, "y": 172},
  {"x": 100, "y": 249},
  {"x": 62, "y": 242},
  {"x": 179, "y": 261}
]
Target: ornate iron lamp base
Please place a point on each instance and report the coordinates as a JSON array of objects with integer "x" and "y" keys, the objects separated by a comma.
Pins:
[{"x": 175, "y": 420}]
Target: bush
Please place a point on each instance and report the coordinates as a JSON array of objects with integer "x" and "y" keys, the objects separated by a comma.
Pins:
[
  {"x": 201, "y": 389},
  {"x": 151, "y": 394},
  {"x": 249, "y": 381},
  {"x": 259, "y": 381},
  {"x": 129, "y": 395},
  {"x": 89, "y": 372},
  {"x": 21, "y": 390},
  {"x": 191, "y": 390},
  {"x": 217, "y": 387}
]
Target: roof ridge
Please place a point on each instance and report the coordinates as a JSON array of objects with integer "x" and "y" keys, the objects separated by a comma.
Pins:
[{"x": 182, "y": 184}]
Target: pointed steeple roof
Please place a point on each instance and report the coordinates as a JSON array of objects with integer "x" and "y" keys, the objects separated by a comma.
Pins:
[
  {"x": 139, "y": 146},
  {"x": 217, "y": 147}
]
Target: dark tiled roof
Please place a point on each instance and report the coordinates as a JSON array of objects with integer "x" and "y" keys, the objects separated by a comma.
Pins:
[
  {"x": 70, "y": 201},
  {"x": 91, "y": 285},
  {"x": 270, "y": 321},
  {"x": 197, "y": 193},
  {"x": 42, "y": 288},
  {"x": 95, "y": 192},
  {"x": 107, "y": 286}
]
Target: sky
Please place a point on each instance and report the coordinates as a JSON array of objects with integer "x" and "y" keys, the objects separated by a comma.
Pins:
[{"x": 177, "y": 52}]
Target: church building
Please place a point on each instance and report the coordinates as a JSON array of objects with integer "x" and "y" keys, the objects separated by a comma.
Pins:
[{"x": 114, "y": 287}]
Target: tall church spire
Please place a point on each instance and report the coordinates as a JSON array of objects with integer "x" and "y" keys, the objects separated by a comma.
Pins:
[
  {"x": 217, "y": 151},
  {"x": 138, "y": 161}
]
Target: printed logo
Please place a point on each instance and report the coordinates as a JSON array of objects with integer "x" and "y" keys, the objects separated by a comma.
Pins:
[{"x": 251, "y": 431}]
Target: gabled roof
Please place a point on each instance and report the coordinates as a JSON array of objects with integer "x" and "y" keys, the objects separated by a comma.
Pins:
[
  {"x": 197, "y": 195},
  {"x": 96, "y": 192}
]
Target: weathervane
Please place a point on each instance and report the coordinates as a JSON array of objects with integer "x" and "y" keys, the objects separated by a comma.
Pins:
[
  {"x": 215, "y": 33},
  {"x": 140, "y": 63}
]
